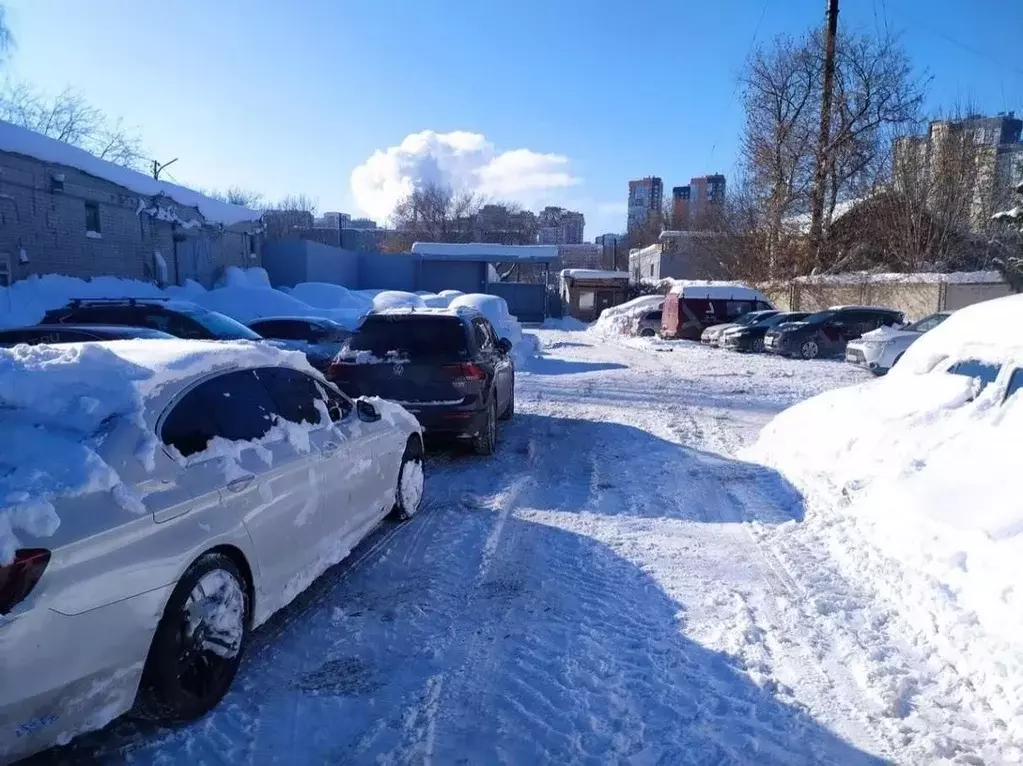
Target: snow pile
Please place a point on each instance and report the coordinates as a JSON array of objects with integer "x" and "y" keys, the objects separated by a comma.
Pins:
[
  {"x": 396, "y": 299},
  {"x": 624, "y": 318},
  {"x": 495, "y": 309},
  {"x": 435, "y": 301},
  {"x": 21, "y": 141},
  {"x": 25, "y": 301},
  {"x": 56, "y": 401},
  {"x": 323, "y": 295},
  {"x": 235, "y": 276},
  {"x": 921, "y": 465}
]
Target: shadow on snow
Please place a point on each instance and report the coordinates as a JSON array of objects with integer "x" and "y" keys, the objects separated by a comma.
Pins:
[{"x": 471, "y": 635}]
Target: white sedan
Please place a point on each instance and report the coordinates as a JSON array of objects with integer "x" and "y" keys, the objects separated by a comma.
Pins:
[
  {"x": 880, "y": 349},
  {"x": 160, "y": 499}
]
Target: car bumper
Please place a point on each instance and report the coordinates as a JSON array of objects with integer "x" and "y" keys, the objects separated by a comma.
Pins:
[
  {"x": 868, "y": 359},
  {"x": 740, "y": 343},
  {"x": 778, "y": 346},
  {"x": 64, "y": 675},
  {"x": 449, "y": 419}
]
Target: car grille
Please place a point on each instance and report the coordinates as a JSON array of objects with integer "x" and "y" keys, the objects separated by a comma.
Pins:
[{"x": 855, "y": 356}]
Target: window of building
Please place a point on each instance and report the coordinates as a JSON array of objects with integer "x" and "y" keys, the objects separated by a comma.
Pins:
[
  {"x": 586, "y": 300},
  {"x": 5, "y": 270},
  {"x": 92, "y": 217},
  {"x": 651, "y": 269}
]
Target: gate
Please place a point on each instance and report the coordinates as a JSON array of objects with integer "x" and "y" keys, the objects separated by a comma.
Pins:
[{"x": 526, "y": 302}]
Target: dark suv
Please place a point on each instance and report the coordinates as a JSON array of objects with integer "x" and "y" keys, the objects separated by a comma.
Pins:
[
  {"x": 826, "y": 332},
  {"x": 178, "y": 318},
  {"x": 449, "y": 369}
]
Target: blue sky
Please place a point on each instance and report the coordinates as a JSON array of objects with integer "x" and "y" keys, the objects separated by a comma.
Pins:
[{"x": 288, "y": 98}]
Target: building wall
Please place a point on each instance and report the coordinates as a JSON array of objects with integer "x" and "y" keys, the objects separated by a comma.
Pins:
[
  {"x": 386, "y": 271},
  {"x": 49, "y": 225}
]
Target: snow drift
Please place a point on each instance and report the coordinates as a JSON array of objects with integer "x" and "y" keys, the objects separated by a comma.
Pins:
[
  {"x": 624, "y": 318},
  {"x": 922, "y": 466}
]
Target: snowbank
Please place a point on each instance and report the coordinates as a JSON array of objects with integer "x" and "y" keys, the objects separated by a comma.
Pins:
[
  {"x": 22, "y": 141},
  {"x": 922, "y": 467},
  {"x": 235, "y": 276},
  {"x": 622, "y": 319},
  {"x": 493, "y": 308},
  {"x": 25, "y": 302}
]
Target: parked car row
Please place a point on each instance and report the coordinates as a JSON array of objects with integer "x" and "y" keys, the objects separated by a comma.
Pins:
[{"x": 239, "y": 514}]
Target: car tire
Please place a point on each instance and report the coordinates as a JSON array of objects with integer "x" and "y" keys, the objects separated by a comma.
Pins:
[
  {"x": 647, "y": 333},
  {"x": 809, "y": 349},
  {"x": 192, "y": 662},
  {"x": 409, "y": 492},
  {"x": 485, "y": 442},
  {"x": 509, "y": 411},
  {"x": 757, "y": 346}
]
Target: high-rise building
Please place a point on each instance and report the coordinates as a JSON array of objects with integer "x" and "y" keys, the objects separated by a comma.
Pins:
[
  {"x": 557, "y": 226},
  {"x": 707, "y": 194},
  {"x": 680, "y": 207},
  {"x": 997, "y": 154},
  {"x": 645, "y": 196}
]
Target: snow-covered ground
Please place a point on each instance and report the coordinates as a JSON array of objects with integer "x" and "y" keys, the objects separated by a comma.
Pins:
[{"x": 614, "y": 586}]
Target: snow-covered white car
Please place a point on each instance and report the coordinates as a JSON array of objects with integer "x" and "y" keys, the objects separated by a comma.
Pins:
[
  {"x": 161, "y": 499},
  {"x": 880, "y": 349},
  {"x": 922, "y": 463}
]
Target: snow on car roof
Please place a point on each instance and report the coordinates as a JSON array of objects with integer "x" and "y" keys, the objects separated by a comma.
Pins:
[
  {"x": 989, "y": 330},
  {"x": 21, "y": 141},
  {"x": 720, "y": 290}
]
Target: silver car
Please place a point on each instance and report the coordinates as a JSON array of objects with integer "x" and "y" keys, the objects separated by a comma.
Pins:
[
  {"x": 264, "y": 475},
  {"x": 649, "y": 324},
  {"x": 879, "y": 350}
]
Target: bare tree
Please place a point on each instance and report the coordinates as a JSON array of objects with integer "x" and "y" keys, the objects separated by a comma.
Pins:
[
  {"x": 876, "y": 94},
  {"x": 68, "y": 117},
  {"x": 1009, "y": 249},
  {"x": 294, "y": 203},
  {"x": 435, "y": 213}
]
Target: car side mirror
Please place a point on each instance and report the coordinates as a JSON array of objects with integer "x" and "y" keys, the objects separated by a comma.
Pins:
[
  {"x": 504, "y": 346},
  {"x": 367, "y": 412}
]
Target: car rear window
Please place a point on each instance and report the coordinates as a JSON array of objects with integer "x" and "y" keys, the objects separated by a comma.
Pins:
[{"x": 411, "y": 336}]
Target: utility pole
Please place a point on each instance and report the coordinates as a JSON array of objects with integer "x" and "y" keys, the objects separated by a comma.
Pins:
[
  {"x": 820, "y": 175},
  {"x": 158, "y": 168}
]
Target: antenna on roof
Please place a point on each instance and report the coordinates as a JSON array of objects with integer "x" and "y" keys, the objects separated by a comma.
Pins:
[{"x": 158, "y": 168}]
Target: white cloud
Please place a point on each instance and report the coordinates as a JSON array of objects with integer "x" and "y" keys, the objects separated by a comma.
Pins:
[{"x": 462, "y": 160}]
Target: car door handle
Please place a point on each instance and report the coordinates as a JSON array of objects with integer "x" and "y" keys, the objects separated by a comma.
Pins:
[
  {"x": 242, "y": 482},
  {"x": 329, "y": 448}
]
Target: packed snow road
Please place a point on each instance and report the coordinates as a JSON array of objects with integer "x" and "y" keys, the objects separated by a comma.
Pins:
[{"x": 604, "y": 590}]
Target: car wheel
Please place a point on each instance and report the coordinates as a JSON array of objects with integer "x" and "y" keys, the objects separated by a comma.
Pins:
[
  {"x": 198, "y": 643},
  {"x": 757, "y": 346},
  {"x": 646, "y": 333},
  {"x": 409, "y": 493},
  {"x": 509, "y": 411},
  {"x": 809, "y": 350},
  {"x": 485, "y": 442}
]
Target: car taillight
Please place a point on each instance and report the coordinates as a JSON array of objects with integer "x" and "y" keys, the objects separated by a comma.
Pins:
[
  {"x": 338, "y": 370},
  {"x": 18, "y": 578},
  {"x": 467, "y": 378}
]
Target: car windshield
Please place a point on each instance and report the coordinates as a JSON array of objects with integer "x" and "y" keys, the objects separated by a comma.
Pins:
[
  {"x": 411, "y": 336},
  {"x": 927, "y": 323},
  {"x": 777, "y": 319},
  {"x": 220, "y": 326}
]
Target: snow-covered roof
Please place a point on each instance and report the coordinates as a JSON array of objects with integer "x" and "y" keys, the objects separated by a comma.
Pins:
[
  {"x": 485, "y": 251},
  {"x": 593, "y": 274},
  {"x": 802, "y": 221},
  {"x": 864, "y": 277},
  {"x": 718, "y": 290},
  {"x": 19, "y": 140}
]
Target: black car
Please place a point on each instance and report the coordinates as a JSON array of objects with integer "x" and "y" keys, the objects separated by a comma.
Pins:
[
  {"x": 319, "y": 339},
  {"x": 75, "y": 334},
  {"x": 178, "y": 318},
  {"x": 750, "y": 336},
  {"x": 826, "y": 332},
  {"x": 447, "y": 368}
]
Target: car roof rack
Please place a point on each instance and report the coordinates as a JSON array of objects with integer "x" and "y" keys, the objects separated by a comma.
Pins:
[{"x": 75, "y": 302}]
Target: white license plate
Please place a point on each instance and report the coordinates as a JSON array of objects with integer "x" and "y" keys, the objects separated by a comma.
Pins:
[{"x": 769, "y": 342}]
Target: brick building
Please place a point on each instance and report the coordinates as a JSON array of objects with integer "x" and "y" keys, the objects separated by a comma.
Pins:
[{"x": 64, "y": 211}]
